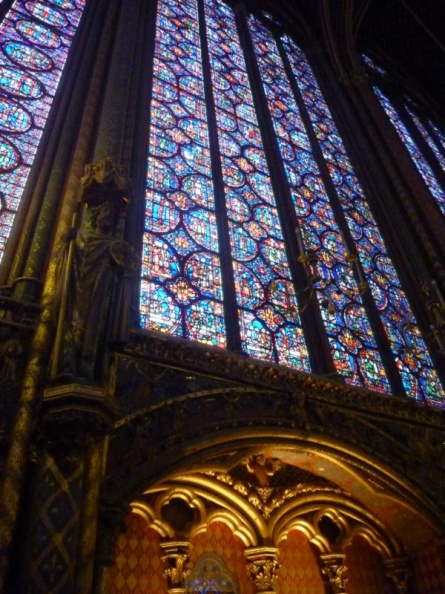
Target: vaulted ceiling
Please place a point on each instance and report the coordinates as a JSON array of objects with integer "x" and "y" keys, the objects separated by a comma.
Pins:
[{"x": 405, "y": 36}]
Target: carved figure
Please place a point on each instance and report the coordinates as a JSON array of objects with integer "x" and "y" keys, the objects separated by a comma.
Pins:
[
  {"x": 97, "y": 262},
  {"x": 12, "y": 354},
  {"x": 263, "y": 468}
]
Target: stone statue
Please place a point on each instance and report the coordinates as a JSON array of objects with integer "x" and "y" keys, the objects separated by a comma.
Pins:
[{"x": 98, "y": 261}]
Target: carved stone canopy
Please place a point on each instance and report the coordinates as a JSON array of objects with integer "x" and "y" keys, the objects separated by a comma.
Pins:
[{"x": 105, "y": 181}]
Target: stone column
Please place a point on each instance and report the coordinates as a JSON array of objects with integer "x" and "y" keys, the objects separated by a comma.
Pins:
[
  {"x": 111, "y": 523},
  {"x": 335, "y": 572},
  {"x": 175, "y": 558},
  {"x": 63, "y": 512},
  {"x": 398, "y": 571},
  {"x": 54, "y": 524},
  {"x": 263, "y": 567}
]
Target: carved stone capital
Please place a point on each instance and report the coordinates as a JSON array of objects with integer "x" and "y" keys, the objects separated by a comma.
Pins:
[
  {"x": 398, "y": 571},
  {"x": 175, "y": 558},
  {"x": 263, "y": 567},
  {"x": 335, "y": 572}
]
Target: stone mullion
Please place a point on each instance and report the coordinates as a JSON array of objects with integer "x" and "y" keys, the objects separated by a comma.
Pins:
[
  {"x": 311, "y": 319},
  {"x": 230, "y": 304},
  {"x": 354, "y": 106},
  {"x": 419, "y": 258},
  {"x": 409, "y": 188},
  {"x": 340, "y": 217},
  {"x": 420, "y": 141}
]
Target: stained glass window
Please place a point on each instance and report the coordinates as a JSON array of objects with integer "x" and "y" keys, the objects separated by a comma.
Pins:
[
  {"x": 417, "y": 155},
  {"x": 228, "y": 219},
  {"x": 182, "y": 289},
  {"x": 267, "y": 308},
  {"x": 35, "y": 38},
  {"x": 402, "y": 331},
  {"x": 353, "y": 346},
  {"x": 211, "y": 575}
]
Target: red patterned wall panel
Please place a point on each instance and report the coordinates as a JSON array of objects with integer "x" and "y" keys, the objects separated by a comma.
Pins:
[
  {"x": 366, "y": 572},
  {"x": 139, "y": 567},
  {"x": 299, "y": 570}
]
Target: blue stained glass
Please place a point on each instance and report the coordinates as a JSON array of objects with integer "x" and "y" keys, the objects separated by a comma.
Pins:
[
  {"x": 337, "y": 291},
  {"x": 268, "y": 330},
  {"x": 409, "y": 349},
  {"x": 182, "y": 286},
  {"x": 434, "y": 145},
  {"x": 35, "y": 38},
  {"x": 439, "y": 135},
  {"x": 417, "y": 156}
]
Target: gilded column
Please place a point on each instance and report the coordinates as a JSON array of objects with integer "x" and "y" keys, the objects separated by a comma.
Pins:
[
  {"x": 335, "y": 572},
  {"x": 175, "y": 557},
  {"x": 263, "y": 568}
]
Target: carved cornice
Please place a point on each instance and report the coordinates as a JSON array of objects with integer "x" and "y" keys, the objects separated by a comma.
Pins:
[
  {"x": 76, "y": 413},
  {"x": 218, "y": 363}
]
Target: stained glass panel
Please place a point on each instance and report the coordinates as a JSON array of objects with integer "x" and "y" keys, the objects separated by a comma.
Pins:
[
  {"x": 409, "y": 349},
  {"x": 35, "y": 38},
  {"x": 182, "y": 285},
  {"x": 270, "y": 325},
  {"x": 350, "y": 337},
  {"x": 434, "y": 142},
  {"x": 417, "y": 156},
  {"x": 440, "y": 136}
]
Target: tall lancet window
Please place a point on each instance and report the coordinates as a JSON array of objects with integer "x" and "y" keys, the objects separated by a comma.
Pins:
[
  {"x": 423, "y": 140},
  {"x": 257, "y": 230},
  {"x": 35, "y": 38}
]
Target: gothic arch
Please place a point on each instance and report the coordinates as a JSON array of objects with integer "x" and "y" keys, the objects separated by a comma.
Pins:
[{"x": 143, "y": 464}]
